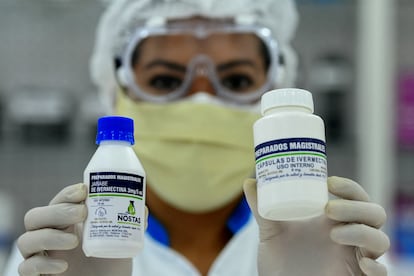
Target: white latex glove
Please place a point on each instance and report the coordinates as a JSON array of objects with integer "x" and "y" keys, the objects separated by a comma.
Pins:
[
  {"x": 344, "y": 241},
  {"x": 52, "y": 243}
]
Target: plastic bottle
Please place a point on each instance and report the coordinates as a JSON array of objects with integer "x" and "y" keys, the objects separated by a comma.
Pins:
[
  {"x": 291, "y": 163},
  {"x": 115, "y": 178}
]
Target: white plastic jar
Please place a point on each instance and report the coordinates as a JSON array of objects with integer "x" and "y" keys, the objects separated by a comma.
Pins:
[
  {"x": 290, "y": 152},
  {"x": 115, "y": 178}
]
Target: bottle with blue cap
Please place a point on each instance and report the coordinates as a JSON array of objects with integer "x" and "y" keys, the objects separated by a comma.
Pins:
[
  {"x": 290, "y": 152},
  {"x": 115, "y": 178}
]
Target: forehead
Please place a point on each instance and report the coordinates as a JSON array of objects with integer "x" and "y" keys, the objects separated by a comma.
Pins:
[{"x": 182, "y": 47}]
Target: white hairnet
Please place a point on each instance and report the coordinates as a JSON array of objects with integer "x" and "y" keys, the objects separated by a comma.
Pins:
[{"x": 122, "y": 15}]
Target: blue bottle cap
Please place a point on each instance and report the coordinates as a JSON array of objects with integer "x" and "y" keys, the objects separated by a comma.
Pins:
[{"x": 115, "y": 128}]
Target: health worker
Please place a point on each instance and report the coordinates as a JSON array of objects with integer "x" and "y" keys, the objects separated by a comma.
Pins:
[{"x": 191, "y": 74}]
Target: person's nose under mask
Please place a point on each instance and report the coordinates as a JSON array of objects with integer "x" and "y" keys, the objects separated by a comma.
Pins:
[{"x": 197, "y": 151}]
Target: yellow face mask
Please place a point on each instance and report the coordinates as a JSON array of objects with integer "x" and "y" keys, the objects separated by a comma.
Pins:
[{"x": 196, "y": 155}]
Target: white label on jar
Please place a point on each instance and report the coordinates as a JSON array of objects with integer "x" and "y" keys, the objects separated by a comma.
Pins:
[
  {"x": 115, "y": 205},
  {"x": 290, "y": 159}
]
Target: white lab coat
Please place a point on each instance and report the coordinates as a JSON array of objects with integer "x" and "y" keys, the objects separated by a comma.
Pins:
[{"x": 239, "y": 257}]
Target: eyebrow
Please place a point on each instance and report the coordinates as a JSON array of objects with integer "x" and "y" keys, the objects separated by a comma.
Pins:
[
  {"x": 229, "y": 65},
  {"x": 169, "y": 64}
]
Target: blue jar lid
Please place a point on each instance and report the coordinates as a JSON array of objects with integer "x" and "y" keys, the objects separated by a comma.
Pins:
[{"x": 115, "y": 128}]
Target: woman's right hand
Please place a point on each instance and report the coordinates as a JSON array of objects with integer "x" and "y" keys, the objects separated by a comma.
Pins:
[{"x": 52, "y": 241}]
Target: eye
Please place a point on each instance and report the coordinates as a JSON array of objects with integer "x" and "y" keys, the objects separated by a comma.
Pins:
[
  {"x": 165, "y": 83},
  {"x": 238, "y": 82}
]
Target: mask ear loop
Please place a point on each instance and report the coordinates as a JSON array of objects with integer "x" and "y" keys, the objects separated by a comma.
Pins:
[{"x": 122, "y": 77}]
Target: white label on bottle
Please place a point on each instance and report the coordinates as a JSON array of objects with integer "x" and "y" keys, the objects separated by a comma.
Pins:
[
  {"x": 290, "y": 159},
  {"x": 115, "y": 205}
]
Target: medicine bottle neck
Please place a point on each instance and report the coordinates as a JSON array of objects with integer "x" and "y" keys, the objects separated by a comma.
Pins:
[
  {"x": 278, "y": 109},
  {"x": 115, "y": 142}
]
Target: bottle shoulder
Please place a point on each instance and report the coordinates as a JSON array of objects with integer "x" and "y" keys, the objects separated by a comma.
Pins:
[
  {"x": 290, "y": 113},
  {"x": 115, "y": 157},
  {"x": 294, "y": 118},
  {"x": 288, "y": 125}
]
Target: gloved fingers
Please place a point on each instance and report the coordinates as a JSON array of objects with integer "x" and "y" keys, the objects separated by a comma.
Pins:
[
  {"x": 55, "y": 216},
  {"x": 267, "y": 228},
  {"x": 371, "y": 241},
  {"x": 346, "y": 188},
  {"x": 39, "y": 265},
  {"x": 146, "y": 217},
  {"x": 71, "y": 194},
  {"x": 250, "y": 191},
  {"x": 36, "y": 241},
  {"x": 356, "y": 211},
  {"x": 371, "y": 267}
]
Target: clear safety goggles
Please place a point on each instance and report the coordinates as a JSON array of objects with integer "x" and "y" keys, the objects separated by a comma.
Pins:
[{"x": 160, "y": 64}]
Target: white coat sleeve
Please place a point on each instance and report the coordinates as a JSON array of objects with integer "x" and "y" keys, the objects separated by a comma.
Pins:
[{"x": 13, "y": 262}]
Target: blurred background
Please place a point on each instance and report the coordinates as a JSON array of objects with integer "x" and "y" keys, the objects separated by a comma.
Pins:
[{"x": 356, "y": 57}]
